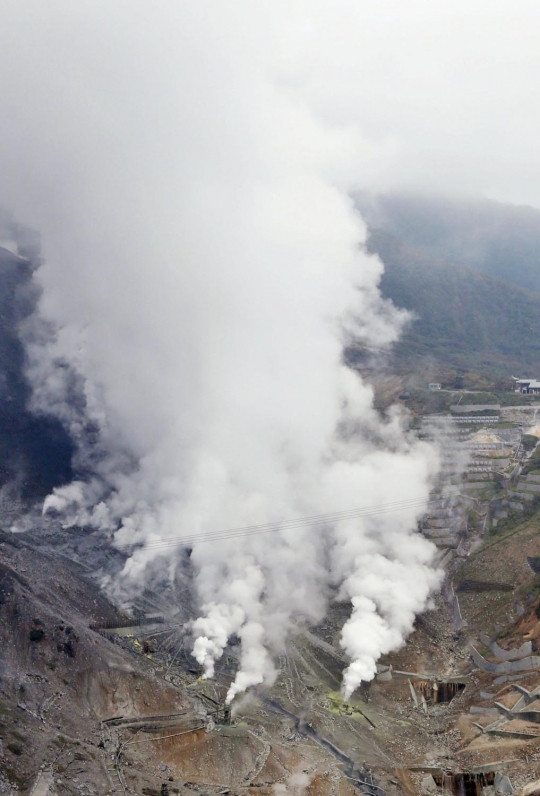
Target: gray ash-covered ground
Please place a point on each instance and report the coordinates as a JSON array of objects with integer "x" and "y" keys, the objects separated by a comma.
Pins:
[{"x": 62, "y": 679}]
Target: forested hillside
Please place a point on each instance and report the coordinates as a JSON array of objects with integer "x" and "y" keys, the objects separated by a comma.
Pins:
[
  {"x": 502, "y": 241},
  {"x": 464, "y": 321},
  {"x": 469, "y": 271}
]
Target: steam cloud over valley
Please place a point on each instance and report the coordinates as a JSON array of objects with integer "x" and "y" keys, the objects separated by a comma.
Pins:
[{"x": 203, "y": 270}]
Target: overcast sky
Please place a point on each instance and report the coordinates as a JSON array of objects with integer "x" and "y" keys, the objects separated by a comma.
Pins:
[
  {"x": 444, "y": 96},
  {"x": 446, "y": 93}
]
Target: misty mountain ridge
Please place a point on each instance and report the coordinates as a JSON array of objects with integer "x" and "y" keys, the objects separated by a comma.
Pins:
[
  {"x": 474, "y": 310},
  {"x": 496, "y": 239}
]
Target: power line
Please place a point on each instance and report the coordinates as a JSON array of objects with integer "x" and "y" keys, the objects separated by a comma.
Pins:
[{"x": 272, "y": 527}]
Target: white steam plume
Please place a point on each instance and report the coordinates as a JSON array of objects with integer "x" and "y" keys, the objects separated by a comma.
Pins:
[
  {"x": 204, "y": 269},
  {"x": 295, "y": 785}
]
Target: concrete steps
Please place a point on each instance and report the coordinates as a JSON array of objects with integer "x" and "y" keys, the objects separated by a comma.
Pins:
[{"x": 518, "y": 721}]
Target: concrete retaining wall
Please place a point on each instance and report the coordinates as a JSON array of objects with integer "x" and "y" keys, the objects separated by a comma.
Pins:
[
  {"x": 521, "y": 495},
  {"x": 464, "y": 408},
  {"x": 459, "y": 622},
  {"x": 435, "y": 533},
  {"x": 507, "y": 655},
  {"x": 441, "y": 522},
  {"x": 530, "y": 487},
  {"x": 528, "y": 664}
]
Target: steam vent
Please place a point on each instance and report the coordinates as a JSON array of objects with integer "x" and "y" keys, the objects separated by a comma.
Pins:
[{"x": 269, "y": 398}]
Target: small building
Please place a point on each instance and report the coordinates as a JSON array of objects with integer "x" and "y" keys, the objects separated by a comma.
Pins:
[
  {"x": 527, "y": 386},
  {"x": 434, "y": 386}
]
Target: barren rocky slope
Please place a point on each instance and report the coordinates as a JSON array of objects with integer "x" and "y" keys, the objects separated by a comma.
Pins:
[{"x": 84, "y": 710}]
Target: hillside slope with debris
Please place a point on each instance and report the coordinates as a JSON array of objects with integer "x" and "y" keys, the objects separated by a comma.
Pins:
[
  {"x": 87, "y": 711},
  {"x": 93, "y": 701}
]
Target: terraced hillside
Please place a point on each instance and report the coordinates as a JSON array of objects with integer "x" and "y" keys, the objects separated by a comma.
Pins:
[{"x": 89, "y": 710}]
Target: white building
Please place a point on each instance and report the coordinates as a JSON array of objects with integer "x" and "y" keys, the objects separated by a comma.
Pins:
[{"x": 527, "y": 386}]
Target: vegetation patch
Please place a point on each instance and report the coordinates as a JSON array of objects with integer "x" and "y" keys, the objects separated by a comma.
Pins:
[
  {"x": 529, "y": 442},
  {"x": 477, "y": 586},
  {"x": 533, "y": 463},
  {"x": 516, "y": 518},
  {"x": 468, "y": 330},
  {"x": 18, "y": 736}
]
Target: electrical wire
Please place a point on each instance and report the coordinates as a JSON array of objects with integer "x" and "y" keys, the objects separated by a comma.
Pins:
[{"x": 317, "y": 520}]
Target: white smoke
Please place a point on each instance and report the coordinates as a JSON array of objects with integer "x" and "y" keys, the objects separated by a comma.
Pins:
[
  {"x": 204, "y": 269},
  {"x": 295, "y": 785}
]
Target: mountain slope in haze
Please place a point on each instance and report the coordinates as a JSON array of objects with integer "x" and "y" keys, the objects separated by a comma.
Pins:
[
  {"x": 462, "y": 319},
  {"x": 499, "y": 240},
  {"x": 35, "y": 451}
]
